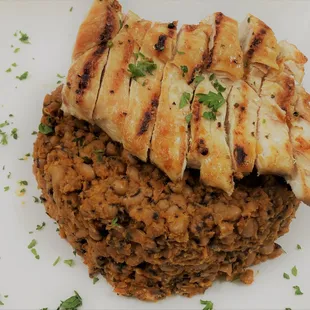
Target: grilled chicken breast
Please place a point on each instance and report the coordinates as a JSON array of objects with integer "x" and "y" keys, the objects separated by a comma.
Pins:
[
  {"x": 113, "y": 100},
  {"x": 274, "y": 148},
  {"x": 170, "y": 136},
  {"x": 209, "y": 150},
  {"x": 225, "y": 57},
  {"x": 157, "y": 47},
  {"x": 243, "y": 105},
  {"x": 89, "y": 59},
  {"x": 260, "y": 50}
]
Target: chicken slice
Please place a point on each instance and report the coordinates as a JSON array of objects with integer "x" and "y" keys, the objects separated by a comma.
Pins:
[
  {"x": 243, "y": 105},
  {"x": 260, "y": 50},
  {"x": 209, "y": 150},
  {"x": 292, "y": 60},
  {"x": 157, "y": 47},
  {"x": 170, "y": 137},
  {"x": 89, "y": 59},
  {"x": 225, "y": 57},
  {"x": 274, "y": 149},
  {"x": 113, "y": 99},
  {"x": 300, "y": 138}
]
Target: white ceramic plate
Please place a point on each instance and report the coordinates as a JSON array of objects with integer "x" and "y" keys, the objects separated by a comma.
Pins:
[{"x": 34, "y": 284}]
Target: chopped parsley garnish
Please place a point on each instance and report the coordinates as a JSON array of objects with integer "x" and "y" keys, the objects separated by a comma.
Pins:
[
  {"x": 299, "y": 247},
  {"x": 114, "y": 222},
  {"x": 184, "y": 70},
  {"x": 99, "y": 154},
  {"x": 139, "y": 54},
  {"x": 249, "y": 19},
  {"x": 286, "y": 276},
  {"x": 40, "y": 227},
  {"x": 9, "y": 175},
  {"x": 6, "y": 188},
  {"x": 142, "y": 68},
  {"x": 32, "y": 244},
  {"x": 188, "y": 118},
  {"x": 79, "y": 141},
  {"x": 5, "y": 123},
  {"x": 24, "y": 38},
  {"x": 34, "y": 133},
  {"x": 209, "y": 115},
  {"x": 23, "y": 183},
  {"x": 180, "y": 53},
  {"x": 198, "y": 79},
  {"x": 34, "y": 252},
  {"x": 16, "y": 50},
  {"x": 212, "y": 100},
  {"x": 23, "y": 190},
  {"x": 71, "y": 9},
  {"x": 297, "y": 290},
  {"x": 56, "y": 261},
  {"x": 218, "y": 86},
  {"x": 14, "y": 133},
  {"x": 110, "y": 44},
  {"x": 60, "y": 76},
  {"x": 14, "y": 64},
  {"x": 35, "y": 199},
  {"x": 23, "y": 76},
  {"x": 8, "y": 70},
  {"x": 294, "y": 271},
  {"x": 71, "y": 303},
  {"x": 11, "y": 115},
  {"x": 1, "y": 303},
  {"x": 45, "y": 129},
  {"x": 74, "y": 252},
  {"x": 212, "y": 77},
  {"x": 6, "y": 296},
  {"x": 69, "y": 262},
  {"x": 185, "y": 98},
  {"x": 208, "y": 304},
  {"x": 95, "y": 280},
  {"x": 4, "y": 138}
]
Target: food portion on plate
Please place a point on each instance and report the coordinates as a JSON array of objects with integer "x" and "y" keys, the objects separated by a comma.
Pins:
[{"x": 175, "y": 158}]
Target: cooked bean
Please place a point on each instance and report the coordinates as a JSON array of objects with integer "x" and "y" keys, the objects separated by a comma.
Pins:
[
  {"x": 247, "y": 277},
  {"x": 227, "y": 212},
  {"x": 250, "y": 229},
  {"x": 120, "y": 187}
]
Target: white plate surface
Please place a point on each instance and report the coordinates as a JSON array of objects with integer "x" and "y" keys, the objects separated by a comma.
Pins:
[{"x": 34, "y": 284}]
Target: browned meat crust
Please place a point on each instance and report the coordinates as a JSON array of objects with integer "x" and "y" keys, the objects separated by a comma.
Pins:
[{"x": 168, "y": 238}]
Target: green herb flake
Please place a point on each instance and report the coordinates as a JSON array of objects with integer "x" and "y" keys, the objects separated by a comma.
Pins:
[
  {"x": 45, "y": 129},
  {"x": 212, "y": 100},
  {"x": 184, "y": 70},
  {"x": 40, "y": 227},
  {"x": 185, "y": 98},
  {"x": 249, "y": 19},
  {"x": 9, "y": 175},
  {"x": 44, "y": 309},
  {"x": 297, "y": 290},
  {"x": 4, "y": 138},
  {"x": 79, "y": 141},
  {"x": 14, "y": 64},
  {"x": 34, "y": 252},
  {"x": 8, "y": 70},
  {"x": 71, "y": 303},
  {"x": 209, "y": 115},
  {"x": 34, "y": 133},
  {"x": 198, "y": 79},
  {"x": 5, "y": 123},
  {"x": 23, "y": 190},
  {"x": 288, "y": 308},
  {"x": 142, "y": 68},
  {"x": 11, "y": 115},
  {"x": 294, "y": 271},
  {"x": 6, "y": 296},
  {"x": 180, "y": 53},
  {"x": 32, "y": 244},
  {"x": 114, "y": 222},
  {"x": 58, "y": 82},
  {"x": 71, "y": 9},
  {"x": 110, "y": 44},
  {"x": 212, "y": 77},
  {"x": 23, "y": 76},
  {"x": 36, "y": 199},
  {"x": 23, "y": 183},
  {"x": 16, "y": 50},
  {"x": 95, "y": 280},
  {"x": 188, "y": 118},
  {"x": 14, "y": 133},
  {"x": 208, "y": 304},
  {"x": 220, "y": 88},
  {"x": 60, "y": 76},
  {"x": 74, "y": 252},
  {"x": 24, "y": 38},
  {"x": 264, "y": 121},
  {"x": 299, "y": 247},
  {"x": 99, "y": 155},
  {"x": 1, "y": 303},
  {"x": 286, "y": 276},
  {"x": 6, "y": 188},
  {"x": 56, "y": 261},
  {"x": 69, "y": 262}
]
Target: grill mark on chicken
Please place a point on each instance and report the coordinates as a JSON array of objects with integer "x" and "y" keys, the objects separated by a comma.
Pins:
[
  {"x": 160, "y": 45},
  {"x": 201, "y": 147},
  {"x": 240, "y": 155},
  {"x": 109, "y": 28},
  {"x": 256, "y": 42},
  {"x": 147, "y": 117},
  {"x": 285, "y": 97}
]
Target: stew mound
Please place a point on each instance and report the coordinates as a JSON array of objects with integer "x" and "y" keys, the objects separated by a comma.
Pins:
[{"x": 149, "y": 237}]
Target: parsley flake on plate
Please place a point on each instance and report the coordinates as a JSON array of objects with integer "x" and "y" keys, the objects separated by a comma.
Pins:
[
  {"x": 1, "y": 303},
  {"x": 23, "y": 182},
  {"x": 72, "y": 303},
  {"x": 5, "y": 123},
  {"x": 4, "y": 138},
  {"x": 9, "y": 175},
  {"x": 14, "y": 64},
  {"x": 14, "y": 133},
  {"x": 208, "y": 304},
  {"x": 114, "y": 222},
  {"x": 36, "y": 199},
  {"x": 297, "y": 290},
  {"x": 45, "y": 129},
  {"x": 22, "y": 76},
  {"x": 71, "y": 9},
  {"x": 16, "y": 50},
  {"x": 209, "y": 115},
  {"x": 32, "y": 244},
  {"x": 34, "y": 252},
  {"x": 8, "y": 70},
  {"x": 56, "y": 261},
  {"x": 184, "y": 70},
  {"x": 95, "y": 280},
  {"x": 198, "y": 79},
  {"x": 6, "y": 188},
  {"x": 286, "y": 276},
  {"x": 69, "y": 262},
  {"x": 60, "y": 76},
  {"x": 185, "y": 98},
  {"x": 299, "y": 247},
  {"x": 24, "y": 38},
  {"x": 40, "y": 227},
  {"x": 294, "y": 271}
]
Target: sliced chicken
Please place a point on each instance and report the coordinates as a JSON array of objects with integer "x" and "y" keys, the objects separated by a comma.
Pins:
[
  {"x": 170, "y": 137},
  {"x": 225, "y": 57},
  {"x": 89, "y": 59},
  {"x": 157, "y": 49},
  {"x": 275, "y": 155},
  {"x": 260, "y": 49},
  {"x": 292, "y": 60},
  {"x": 209, "y": 150},
  {"x": 300, "y": 138},
  {"x": 243, "y": 105},
  {"x": 113, "y": 100}
]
